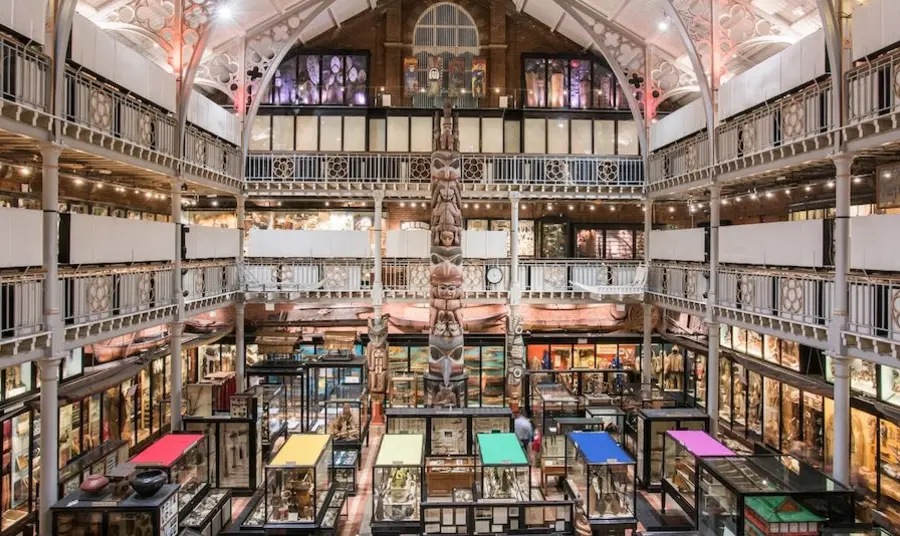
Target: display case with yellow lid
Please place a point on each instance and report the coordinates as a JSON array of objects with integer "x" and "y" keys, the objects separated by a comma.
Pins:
[
  {"x": 298, "y": 480},
  {"x": 397, "y": 481}
]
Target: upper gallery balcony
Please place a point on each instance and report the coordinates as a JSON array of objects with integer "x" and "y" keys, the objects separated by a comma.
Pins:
[
  {"x": 408, "y": 175},
  {"x": 105, "y": 126}
]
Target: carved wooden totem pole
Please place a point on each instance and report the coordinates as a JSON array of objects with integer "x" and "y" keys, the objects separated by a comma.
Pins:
[
  {"x": 445, "y": 381},
  {"x": 377, "y": 358},
  {"x": 515, "y": 352}
]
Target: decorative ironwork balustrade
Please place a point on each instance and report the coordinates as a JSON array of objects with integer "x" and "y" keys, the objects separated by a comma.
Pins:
[
  {"x": 873, "y": 88},
  {"x": 486, "y": 169},
  {"x": 689, "y": 282},
  {"x": 22, "y": 307},
  {"x": 789, "y": 294},
  {"x": 24, "y": 75}
]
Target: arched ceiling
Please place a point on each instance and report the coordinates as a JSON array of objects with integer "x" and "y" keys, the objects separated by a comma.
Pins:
[{"x": 654, "y": 38}]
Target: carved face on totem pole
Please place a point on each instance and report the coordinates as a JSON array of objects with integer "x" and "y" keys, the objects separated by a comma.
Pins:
[
  {"x": 445, "y": 363},
  {"x": 376, "y": 354}
]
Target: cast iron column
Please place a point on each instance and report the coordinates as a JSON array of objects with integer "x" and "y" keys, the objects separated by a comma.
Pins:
[
  {"x": 176, "y": 328},
  {"x": 712, "y": 366},
  {"x": 646, "y": 347},
  {"x": 839, "y": 317},
  {"x": 515, "y": 348},
  {"x": 53, "y": 323},
  {"x": 377, "y": 349},
  {"x": 240, "y": 358}
]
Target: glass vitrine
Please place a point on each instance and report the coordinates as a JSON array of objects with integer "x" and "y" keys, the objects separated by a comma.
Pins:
[
  {"x": 185, "y": 459},
  {"x": 683, "y": 449},
  {"x": 403, "y": 390},
  {"x": 344, "y": 468},
  {"x": 603, "y": 475},
  {"x": 298, "y": 479},
  {"x": 345, "y": 415},
  {"x": 80, "y": 514},
  {"x": 651, "y": 425},
  {"x": 503, "y": 470},
  {"x": 551, "y": 401},
  {"x": 397, "y": 479},
  {"x": 609, "y": 419},
  {"x": 768, "y": 495},
  {"x": 211, "y": 514},
  {"x": 271, "y": 399}
]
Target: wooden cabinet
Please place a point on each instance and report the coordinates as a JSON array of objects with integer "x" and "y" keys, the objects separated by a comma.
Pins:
[{"x": 443, "y": 475}]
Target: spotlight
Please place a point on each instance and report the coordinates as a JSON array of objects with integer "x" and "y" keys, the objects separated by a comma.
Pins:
[
  {"x": 593, "y": 208},
  {"x": 571, "y": 207},
  {"x": 831, "y": 184},
  {"x": 79, "y": 182},
  {"x": 808, "y": 188},
  {"x": 612, "y": 208},
  {"x": 224, "y": 12},
  {"x": 663, "y": 25},
  {"x": 671, "y": 209},
  {"x": 215, "y": 203},
  {"x": 25, "y": 171}
]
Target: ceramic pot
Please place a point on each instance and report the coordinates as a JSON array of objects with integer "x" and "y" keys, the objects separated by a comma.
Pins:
[
  {"x": 94, "y": 484},
  {"x": 147, "y": 483}
]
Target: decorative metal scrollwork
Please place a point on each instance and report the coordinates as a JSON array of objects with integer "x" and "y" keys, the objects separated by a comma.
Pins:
[
  {"x": 283, "y": 167},
  {"x": 791, "y": 296},
  {"x": 420, "y": 167},
  {"x": 100, "y": 110},
  {"x": 556, "y": 170},
  {"x": 99, "y": 294},
  {"x": 337, "y": 167}
]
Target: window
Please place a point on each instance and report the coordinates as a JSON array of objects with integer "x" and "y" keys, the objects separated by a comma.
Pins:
[
  {"x": 575, "y": 83},
  {"x": 446, "y": 49},
  {"x": 335, "y": 79}
]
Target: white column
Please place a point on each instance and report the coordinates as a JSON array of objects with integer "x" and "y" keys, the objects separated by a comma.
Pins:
[
  {"x": 646, "y": 348},
  {"x": 514, "y": 285},
  {"x": 712, "y": 365},
  {"x": 53, "y": 323},
  {"x": 240, "y": 358},
  {"x": 176, "y": 329},
  {"x": 839, "y": 317},
  {"x": 377, "y": 285}
]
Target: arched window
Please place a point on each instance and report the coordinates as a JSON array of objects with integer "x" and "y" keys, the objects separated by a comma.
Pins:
[{"x": 445, "y": 41}]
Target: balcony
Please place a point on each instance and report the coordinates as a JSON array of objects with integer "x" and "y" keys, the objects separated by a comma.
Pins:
[
  {"x": 408, "y": 175},
  {"x": 793, "y": 303},
  {"x": 104, "y": 121},
  {"x": 540, "y": 280},
  {"x": 786, "y": 132}
]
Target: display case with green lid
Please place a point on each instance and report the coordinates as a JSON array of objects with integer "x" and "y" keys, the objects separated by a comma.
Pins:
[
  {"x": 83, "y": 514},
  {"x": 503, "y": 471},
  {"x": 602, "y": 474},
  {"x": 762, "y": 495},
  {"x": 397, "y": 484}
]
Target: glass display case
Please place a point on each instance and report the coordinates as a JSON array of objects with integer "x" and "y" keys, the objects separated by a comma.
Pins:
[
  {"x": 448, "y": 432},
  {"x": 551, "y": 401},
  {"x": 602, "y": 474},
  {"x": 211, "y": 514},
  {"x": 271, "y": 400},
  {"x": 762, "y": 494},
  {"x": 403, "y": 390},
  {"x": 235, "y": 454},
  {"x": 503, "y": 471},
  {"x": 96, "y": 462},
  {"x": 298, "y": 480},
  {"x": 185, "y": 459},
  {"x": 397, "y": 483},
  {"x": 609, "y": 419},
  {"x": 21, "y": 458},
  {"x": 651, "y": 425},
  {"x": 683, "y": 449},
  {"x": 80, "y": 514},
  {"x": 344, "y": 466},
  {"x": 286, "y": 374},
  {"x": 345, "y": 416}
]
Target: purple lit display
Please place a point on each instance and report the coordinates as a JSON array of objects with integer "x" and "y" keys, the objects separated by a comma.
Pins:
[{"x": 333, "y": 79}]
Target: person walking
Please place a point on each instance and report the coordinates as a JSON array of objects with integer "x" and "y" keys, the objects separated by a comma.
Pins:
[{"x": 524, "y": 431}]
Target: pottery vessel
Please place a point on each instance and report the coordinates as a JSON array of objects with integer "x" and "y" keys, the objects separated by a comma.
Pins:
[
  {"x": 147, "y": 483},
  {"x": 94, "y": 484}
]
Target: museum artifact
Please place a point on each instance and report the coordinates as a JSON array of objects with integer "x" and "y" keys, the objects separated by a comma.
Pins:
[
  {"x": 147, "y": 483},
  {"x": 445, "y": 381},
  {"x": 377, "y": 357}
]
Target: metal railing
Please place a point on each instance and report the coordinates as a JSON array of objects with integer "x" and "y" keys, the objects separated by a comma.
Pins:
[
  {"x": 24, "y": 74},
  {"x": 799, "y": 116},
  {"x": 210, "y": 279},
  {"x": 110, "y": 111},
  {"x": 211, "y": 153},
  {"x": 95, "y": 294},
  {"x": 22, "y": 307},
  {"x": 789, "y": 294},
  {"x": 681, "y": 281},
  {"x": 874, "y": 306},
  {"x": 679, "y": 159},
  {"x": 870, "y": 88},
  {"x": 503, "y": 169}
]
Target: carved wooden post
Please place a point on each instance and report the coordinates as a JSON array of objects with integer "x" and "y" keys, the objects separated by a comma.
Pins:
[
  {"x": 377, "y": 358},
  {"x": 445, "y": 381}
]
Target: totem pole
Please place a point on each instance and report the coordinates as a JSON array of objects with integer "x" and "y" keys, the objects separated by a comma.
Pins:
[
  {"x": 515, "y": 363},
  {"x": 377, "y": 359},
  {"x": 445, "y": 381}
]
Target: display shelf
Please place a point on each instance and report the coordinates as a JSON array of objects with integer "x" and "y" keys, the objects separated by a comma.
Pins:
[
  {"x": 403, "y": 390},
  {"x": 298, "y": 481},
  {"x": 397, "y": 484},
  {"x": 650, "y": 427},
  {"x": 680, "y": 482},
  {"x": 448, "y": 432},
  {"x": 211, "y": 514},
  {"x": 235, "y": 440},
  {"x": 503, "y": 471},
  {"x": 344, "y": 467},
  {"x": 80, "y": 514},
  {"x": 444, "y": 475},
  {"x": 747, "y": 495},
  {"x": 602, "y": 474},
  {"x": 184, "y": 457}
]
